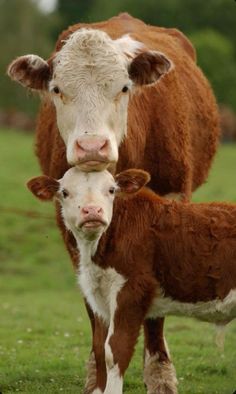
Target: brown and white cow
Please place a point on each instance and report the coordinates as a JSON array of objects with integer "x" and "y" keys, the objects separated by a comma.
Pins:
[
  {"x": 126, "y": 93},
  {"x": 157, "y": 258}
]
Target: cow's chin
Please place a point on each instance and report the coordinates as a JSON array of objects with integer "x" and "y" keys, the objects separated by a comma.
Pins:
[
  {"x": 92, "y": 229},
  {"x": 93, "y": 165}
]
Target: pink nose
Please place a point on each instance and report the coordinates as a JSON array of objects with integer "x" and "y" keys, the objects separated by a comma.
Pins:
[
  {"x": 92, "y": 211},
  {"x": 91, "y": 145}
]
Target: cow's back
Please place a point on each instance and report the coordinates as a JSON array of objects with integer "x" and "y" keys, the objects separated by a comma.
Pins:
[{"x": 172, "y": 125}]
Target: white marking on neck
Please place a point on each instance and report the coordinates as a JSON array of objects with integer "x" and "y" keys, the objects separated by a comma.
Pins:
[{"x": 100, "y": 286}]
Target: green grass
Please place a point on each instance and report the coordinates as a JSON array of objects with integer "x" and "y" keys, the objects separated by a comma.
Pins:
[{"x": 44, "y": 331}]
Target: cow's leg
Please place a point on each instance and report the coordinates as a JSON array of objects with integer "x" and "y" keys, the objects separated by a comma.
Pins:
[{"x": 159, "y": 372}]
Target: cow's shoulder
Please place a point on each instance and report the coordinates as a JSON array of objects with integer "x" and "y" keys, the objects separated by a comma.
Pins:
[{"x": 183, "y": 41}]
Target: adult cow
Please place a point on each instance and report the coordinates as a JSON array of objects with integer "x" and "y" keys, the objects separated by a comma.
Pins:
[{"x": 124, "y": 84}]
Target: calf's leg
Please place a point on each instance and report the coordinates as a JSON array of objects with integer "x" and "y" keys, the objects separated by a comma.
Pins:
[
  {"x": 122, "y": 336},
  {"x": 159, "y": 372}
]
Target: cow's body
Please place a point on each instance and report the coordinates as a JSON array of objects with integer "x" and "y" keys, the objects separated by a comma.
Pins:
[
  {"x": 172, "y": 125},
  {"x": 156, "y": 258},
  {"x": 172, "y": 129}
]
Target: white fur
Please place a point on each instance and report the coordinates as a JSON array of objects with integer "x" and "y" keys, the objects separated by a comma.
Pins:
[
  {"x": 211, "y": 311},
  {"x": 91, "y": 69},
  {"x": 99, "y": 286},
  {"x": 85, "y": 189},
  {"x": 114, "y": 381},
  {"x": 159, "y": 377}
]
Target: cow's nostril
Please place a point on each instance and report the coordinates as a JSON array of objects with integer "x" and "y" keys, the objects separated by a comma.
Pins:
[{"x": 79, "y": 147}]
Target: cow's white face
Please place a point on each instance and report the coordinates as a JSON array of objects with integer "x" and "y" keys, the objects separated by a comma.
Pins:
[
  {"x": 89, "y": 81},
  {"x": 90, "y": 88}
]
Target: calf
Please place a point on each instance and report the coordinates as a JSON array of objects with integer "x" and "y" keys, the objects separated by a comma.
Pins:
[{"x": 157, "y": 258}]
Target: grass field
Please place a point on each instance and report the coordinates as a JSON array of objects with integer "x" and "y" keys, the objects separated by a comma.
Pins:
[{"x": 44, "y": 330}]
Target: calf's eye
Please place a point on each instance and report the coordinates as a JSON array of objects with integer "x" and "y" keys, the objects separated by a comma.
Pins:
[
  {"x": 65, "y": 193},
  {"x": 125, "y": 89},
  {"x": 112, "y": 190},
  {"x": 56, "y": 90}
]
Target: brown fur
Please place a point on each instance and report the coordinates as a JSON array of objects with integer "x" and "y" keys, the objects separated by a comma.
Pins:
[
  {"x": 172, "y": 125},
  {"x": 32, "y": 78},
  {"x": 186, "y": 250},
  {"x": 189, "y": 248}
]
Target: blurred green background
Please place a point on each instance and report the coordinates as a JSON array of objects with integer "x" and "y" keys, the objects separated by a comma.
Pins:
[
  {"x": 44, "y": 330},
  {"x": 32, "y": 26}
]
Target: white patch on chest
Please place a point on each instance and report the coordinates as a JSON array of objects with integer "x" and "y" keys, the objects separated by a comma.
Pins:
[
  {"x": 211, "y": 311},
  {"x": 99, "y": 286}
]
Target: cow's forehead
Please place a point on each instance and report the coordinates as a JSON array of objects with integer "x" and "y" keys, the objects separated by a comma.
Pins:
[
  {"x": 87, "y": 49},
  {"x": 78, "y": 181}
]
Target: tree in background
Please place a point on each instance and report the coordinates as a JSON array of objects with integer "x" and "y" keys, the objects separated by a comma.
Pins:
[
  {"x": 210, "y": 24},
  {"x": 216, "y": 56},
  {"x": 23, "y": 29}
]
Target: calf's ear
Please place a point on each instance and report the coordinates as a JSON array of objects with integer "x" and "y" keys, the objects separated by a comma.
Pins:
[
  {"x": 131, "y": 181},
  {"x": 148, "y": 67},
  {"x": 43, "y": 187},
  {"x": 31, "y": 71}
]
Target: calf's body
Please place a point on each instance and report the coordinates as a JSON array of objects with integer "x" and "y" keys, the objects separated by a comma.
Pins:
[{"x": 156, "y": 258}]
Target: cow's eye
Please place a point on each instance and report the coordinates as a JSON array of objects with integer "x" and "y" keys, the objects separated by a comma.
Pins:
[
  {"x": 65, "y": 193},
  {"x": 125, "y": 89},
  {"x": 56, "y": 90},
  {"x": 112, "y": 190}
]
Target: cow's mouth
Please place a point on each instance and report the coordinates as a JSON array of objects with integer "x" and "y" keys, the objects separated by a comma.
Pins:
[
  {"x": 93, "y": 162},
  {"x": 93, "y": 165},
  {"x": 91, "y": 224}
]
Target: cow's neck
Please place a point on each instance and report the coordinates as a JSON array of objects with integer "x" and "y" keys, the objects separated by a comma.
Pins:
[{"x": 87, "y": 249}]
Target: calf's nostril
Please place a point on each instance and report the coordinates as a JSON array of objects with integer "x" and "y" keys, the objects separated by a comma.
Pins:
[
  {"x": 104, "y": 146},
  {"x": 93, "y": 211},
  {"x": 79, "y": 147}
]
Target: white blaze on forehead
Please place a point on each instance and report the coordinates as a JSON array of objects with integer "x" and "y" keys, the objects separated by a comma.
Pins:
[
  {"x": 93, "y": 50},
  {"x": 78, "y": 182}
]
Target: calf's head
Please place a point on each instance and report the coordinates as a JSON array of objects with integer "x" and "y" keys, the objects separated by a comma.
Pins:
[
  {"x": 87, "y": 198},
  {"x": 89, "y": 80}
]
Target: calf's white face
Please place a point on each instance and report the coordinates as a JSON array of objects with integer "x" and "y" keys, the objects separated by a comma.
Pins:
[
  {"x": 87, "y": 201},
  {"x": 87, "y": 198},
  {"x": 89, "y": 81}
]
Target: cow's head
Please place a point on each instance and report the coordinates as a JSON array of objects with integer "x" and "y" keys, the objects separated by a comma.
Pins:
[
  {"x": 89, "y": 80},
  {"x": 87, "y": 198}
]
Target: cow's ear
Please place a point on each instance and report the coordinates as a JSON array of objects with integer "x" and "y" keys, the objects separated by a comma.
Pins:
[
  {"x": 31, "y": 71},
  {"x": 43, "y": 187},
  {"x": 131, "y": 181},
  {"x": 148, "y": 67}
]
